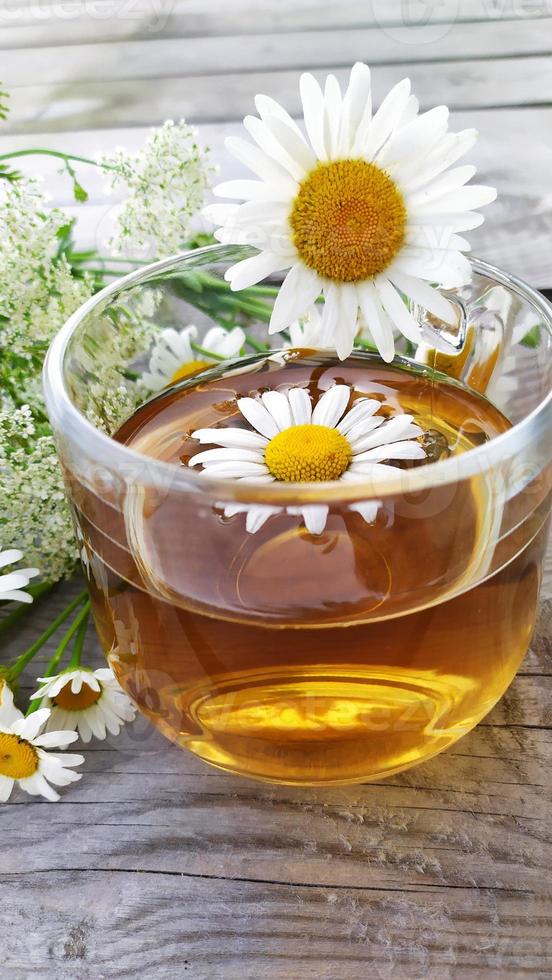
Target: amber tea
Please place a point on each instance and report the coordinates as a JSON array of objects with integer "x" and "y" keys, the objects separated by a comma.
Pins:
[{"x": 334, "y": 657}]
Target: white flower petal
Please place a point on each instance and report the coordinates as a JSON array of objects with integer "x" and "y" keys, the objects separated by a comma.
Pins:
[
  {"x": 28, "y": 728},
  {"x": 260, "y": 163},
  {"x": 301, "y": 406},
  {"x": 257, "y": 416},
  {"x": 298, "y": 291},
  {"x": 231, "y": 438},
  {"x": 280, "y": 147},
  {"x": 394, "y": 430},
  {"x": 36, "y": 785},
  {"x": 396, "y": 310},
  {"x": 331, "y": 406},
  {"x": 278, "y": 405},
  {"x": 10, "y": 556},
  {"x": 397, "y": 450},
  {"x": 340, "y": 324},
  {"x": 236, "y": 469},
  {"x": 251, "y": 190},
  {"x": 357, "y": 107},
  {"x": 227, "y": 455},
  {"x": 314, "y": 516},
  {"x": 250, "y": 271},
  {"x": 426, "y": 167},
  {"x": 423, "y": 294},
  {"x": 362, "y": 410},
  {"x": 368, "y": 509},
  {"x": 377, "y": 321},
  {"x": 51, "y": 740},
  {"x": 451, "y": 180},
  {"x": 257, "y": 516},
  {"x": 362, "y": 430},
  {"x": 385, "y": 120},
  {"x": 460, "y": 199},
  {"x": 312, "y": 99},
  {"x": 6, "y": 786},
  {"x": 421, "y": 134},
  {"x": 332, "y": 116}
]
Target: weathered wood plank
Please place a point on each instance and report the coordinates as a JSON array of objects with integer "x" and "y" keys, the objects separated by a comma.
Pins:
[
  {"x": 96, "y": 104},
  {"x": 111, "y": 19},
  {"x": 160, "y": 926},
  {"x": 169, "y": 57}
]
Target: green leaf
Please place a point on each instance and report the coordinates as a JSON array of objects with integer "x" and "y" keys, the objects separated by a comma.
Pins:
[
  {"x": 3, "y": 104},
  {"x": 79, "y": 192},
  {"x": 532, "y": 337}
]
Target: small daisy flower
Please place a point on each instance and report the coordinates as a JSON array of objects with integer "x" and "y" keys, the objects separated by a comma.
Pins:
[
  {"x": 12, "y": 584},
  {"x": 90, "y": 701},
  {"x": 173, "y": 357},
  {"x": 363, "y": 209},
  {"x": 23, "y": 759},
  {"x": 296, "y": 443},
  {"x": 308, "y": 331}
]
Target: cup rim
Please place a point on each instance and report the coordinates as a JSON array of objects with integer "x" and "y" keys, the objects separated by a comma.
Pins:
[{"x": 67, "y": 418}]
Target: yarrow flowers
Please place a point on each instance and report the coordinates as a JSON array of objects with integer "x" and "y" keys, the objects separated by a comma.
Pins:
[
  {"x": 292, "y": 441},
  {"x": 361, "y": 208}
]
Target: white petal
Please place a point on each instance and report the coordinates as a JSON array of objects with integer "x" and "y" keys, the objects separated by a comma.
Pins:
[
  {"x": 267, "y": 107},
  {"x": 52, "y": 740},
  {"x": 277, "y": 404},
  {"x": 462, "y": 199},
  {"x": 251, "y": 190},
  {"x": 257, "y": 516},
  {"x": 290, "y": 138},
  {"x": 362, "y": 409},
  {"x": 227, "y": 455},
  {"x": 362, "y": 430},
  {"x": 447, "y": 152},
  {"x": 231, "y": 438},
  {"x": 10, "y": 556},
  {"x": 250, "y": 271},
  {"x": 301, "y": 406},
  {"x": 394, "y": 430},
  {"x": 28, "y": 728},
  {"x": 417, "y": 137},
  {"x": 315, "y": 517},
  {"x": 36, "y": 785},
  {"x": 330, "y": 407},
  {"x": 235, "y": 470},
  {"x": 257, "y": 416},
  {"x": 398, "y": 450},
  {"x": 267, "y": 169},
  {"x": 76, "y": 684},
  {"x": 396, "y": 309},
  {"x": 313, "y": 111},
  {"x": 332, "y": 115},
  {"x": 220, "y": 214},
  {"x": 12, "y": 581},
  {"x": 225, "y": 343},
  {"x": 385, "y": 119},
  {"x": 448, "y": 181},
  {"x": 377, "y": 321},
  {"x": 368, "y": 509},
  {"x": 279, "y": 142},
  {"x": 448, "y": 269},
  {"x": 346, "y": 326},
  {"x": 423, "y": 294},
  {"x": 357, "y": 107},
  {"x": 298, "y": 291},
  {"x": 6, "y": 786}
]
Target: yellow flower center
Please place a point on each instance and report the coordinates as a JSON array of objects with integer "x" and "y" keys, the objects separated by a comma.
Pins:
[
  {"x": 76, "y": 702},
  {"x": 188, "y": 370},
  {"x": 308, "y": 454},
  {"x": 348, "y": 220},
  {"x": 18, "y": 758}
]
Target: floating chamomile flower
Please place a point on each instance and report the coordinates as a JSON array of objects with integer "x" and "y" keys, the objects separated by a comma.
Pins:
[
  {"x": 92, "y": 702},
  {"x": 308, "y": 331},
  {"x": 364, "y": 209},
  {"x": 173, "y": 357},
  {"x": 23, "y": 759},
  {"x": 12, "y": 584},
  {"x": 293, "y": 442}
]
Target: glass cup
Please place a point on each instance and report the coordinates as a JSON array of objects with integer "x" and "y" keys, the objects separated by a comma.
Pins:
[{"x": 305, "y": 658}]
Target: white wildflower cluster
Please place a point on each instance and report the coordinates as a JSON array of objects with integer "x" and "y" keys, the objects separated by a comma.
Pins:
[
  {"x": 37, "y": 289},
  {"x": 34, "y": 514},
  {"x": 166, "y": 183},
  {"x": 109, "y": 390}
]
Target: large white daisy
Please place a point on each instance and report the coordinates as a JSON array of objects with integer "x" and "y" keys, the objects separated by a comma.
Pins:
[
  {"x": 23, "y": 756},
  {"x": 291, "y": 441},
  {"x": 175, "y": 354},
  {"x": 13, "y": 583},
  {"x": 90, "y": 701},
  {"x": 363, "y": 208}
]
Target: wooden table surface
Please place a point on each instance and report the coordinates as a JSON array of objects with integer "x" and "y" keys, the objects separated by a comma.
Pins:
[{"x": 156, "y": 865}]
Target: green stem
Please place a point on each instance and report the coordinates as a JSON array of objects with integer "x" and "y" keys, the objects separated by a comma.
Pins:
[
  {"x": 37, "y": 591},
  {"x": 14, "y": 671},
  {"x": 207, "y": 353},
  {"x": 54, "y": 153},
  {"x": 74, "y": 663},
  {"x": 79, "y": 624}
]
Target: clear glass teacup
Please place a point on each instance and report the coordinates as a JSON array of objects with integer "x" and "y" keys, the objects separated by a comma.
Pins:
[{"x": 337, "y": 655}]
